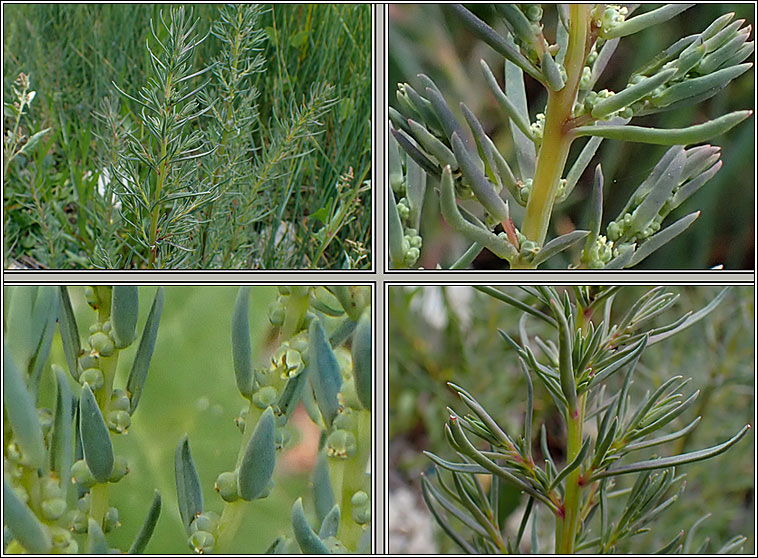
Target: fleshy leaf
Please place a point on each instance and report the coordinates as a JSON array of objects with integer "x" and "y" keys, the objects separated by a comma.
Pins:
[
  {"x": 257, "y": 466},
  {"x": 22, "y": 412},
  {"x": 69, "y": 332},
  {"x": 124, "y": 312},
  {"x": 361, "y": 352},
  {"x": 146, "y": 531},
  {"x": 306, "y": 537},
  {"x": 96, "y": 439},
  {"x": 189, "y": 493},
  {"x": 325, "y": 373},
  {"x": 242, "y": 351},
  {"x": 141, "y": 364},
  {"x": 26, "y": 528}
]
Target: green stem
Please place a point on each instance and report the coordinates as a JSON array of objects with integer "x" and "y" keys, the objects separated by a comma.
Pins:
[
  {"x": 556, "y": 141},
  {"x": 567, "y": 526},
  {"x": 354, "y": 479}
]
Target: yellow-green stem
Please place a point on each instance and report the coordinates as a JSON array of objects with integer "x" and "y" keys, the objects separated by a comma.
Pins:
[
  {"x": 568, "y": 525},
  {"x": 556, "y": 141},
  {"x": 353, "y": 480}
]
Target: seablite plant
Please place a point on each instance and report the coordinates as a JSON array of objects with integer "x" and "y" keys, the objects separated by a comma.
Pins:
[
  {"x": 428, "y": 142},
  {"x": 334, "y": 384},
  {"x": 605, "y": 428},
  {"x": 59, "y": 463}
]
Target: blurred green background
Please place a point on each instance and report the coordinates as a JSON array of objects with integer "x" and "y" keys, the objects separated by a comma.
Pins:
[
  {"x": 191, "y": 389},
  {"x": 422, "y": 39},
  {"x": 440, "y": 334}
]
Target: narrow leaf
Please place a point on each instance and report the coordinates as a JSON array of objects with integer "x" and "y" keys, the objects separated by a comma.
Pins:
[
  {"x": 22, "y": 412},
  {"x": 662, "y": 238},
  {"x": 505, "y": 103},
  {"x": 558, "y": 245},
  {"x": 323, "y": 494},
  {"x": 308, "y": 541},
  {"x": 648, "y": 19},
  {"x": 325, "y": 373},
  {"x": 141, "y": 364},
  {"x": 96, "y": 439},
  {"x": 395, "y": 226},
  {"x": 483, "y": 189},
  {"x": 257, "y": 466},
  {"x": 362, "y": 361},
  {"x": 242, "y": 351},
  {"x": 148, "y": 526},
  {"x": 330, "y": 524},
  {"x": 124, "y": 311},
  {"x": 675, "y": 460},
  {"x": 72, "y": 347},
  {"x": 573, "y": 464},
  {"x": 674, "y": 136},
  {"x": 62, "y": 440},
  {"x": 96, "y": 543},
  {"x": 23, "y": 524},
  {"x": 441, "y": 521},
  {"x": 189, "y": 494},
  {"x": 631, "y": 94}
]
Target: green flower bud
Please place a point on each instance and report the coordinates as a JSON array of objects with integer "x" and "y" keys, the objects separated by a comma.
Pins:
[
  {"x": 14, "y": 453},
  {"x": 119, "y": 400},
  {"x": 346, "y": 420},
  {"x": 349, "y": 396},
  {"x": 284, "y": 290},
  {"x": 206, "y": 521},
  {"x": 529, "y": 249},
  {"x": 83, "y": 503},
  {"x": 89, "y": 361},
  {"x": 202, "y": 542},
  {"x": 118, "y": 421},
  {"x": 53, "y": 509},
  {"x": 120, "y": 469},
  {"x": 81, "y": 474},
  {"x": 276, "y": 313},
  {"x": 533, "y": 12},
  {"x": 341, "y": 444},
  {"x": 78, "y": 522},
  {"x": 614, "y": 231},
  {"x": 90, "y": 297},
  {"x": 92, "y": 377},
  {"x": 102, "y": 344},
  {"x": 293, "y": 363},
  {"x": 265, "y": 397},
  {"x": 107, "y": 326},
  {"x": 361, "y": 511},
  {"x": 94, "y": 328},
  {"x": 110, "y": 521},
  {"x": 411, "y": 256},
  {"x": 226, "y": 486}
]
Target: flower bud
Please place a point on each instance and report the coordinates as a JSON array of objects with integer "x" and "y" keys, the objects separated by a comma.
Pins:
[
  {"x": 92, "y": 377},
  {"x": 341, "y": 444},
  {"x": 206, "y": 521},
  {"x": 284, "y": 290},
  {"x": 89, "y": 361},
  {"x": 101, "y": 343},
  {"x": 226, "y": 486},
  {"x": 53, "y": 509},
  {"x": 120, "y": 469},
  {"x": 78, "y": 522},
  {"x": 118, "y": 421},
  {"x": 241, "y": 419},
  {"x": 83, "y": 503},
  {"x": 361, "y": 511},
  {"x": 63, "y": 541},
  {"x": 81, "y": 474},
  {"x": 110, "y": 521},
  {"x": 91, "y": 297},
  {"x": 119, "y": 400},
  {"x": 276, "y": 313},
  {"x": 265, "y": 396},
  {"x": 46, "y": 419},
  {"x": 202, "y": 542}
]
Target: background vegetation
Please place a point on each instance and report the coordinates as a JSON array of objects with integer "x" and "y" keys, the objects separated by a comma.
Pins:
[
  {"x": 441, "y": 334},
  {"x": 73, "y": 53},
  {"x": 424, "y": 40}
]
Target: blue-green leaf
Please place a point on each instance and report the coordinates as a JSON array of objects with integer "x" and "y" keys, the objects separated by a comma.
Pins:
[
  {"x": 325, "y": 372},
  {"x": 323, "y": 494},
  {"x": 62, "y": 441},
  {"x": 257, "y": 466},
  {"x": 306, "y": 537},
  {"x": 242, "y": 351},
  {"x": 26, "y": 528},
  {"x": 330, "y": 524},
  {"x": 124, "y": 312},
  {"x": 189, "y": 493},
  {"x": 361, "y": 351},
  {"x": 72, "y": 347},
  {"x": 22, "y": 412},
  {"x": 96, "y": 543},
  {"x": 146, "y": 531},
  {"x": 96, "y": 439},
  {"x": 141, "y": 364}
]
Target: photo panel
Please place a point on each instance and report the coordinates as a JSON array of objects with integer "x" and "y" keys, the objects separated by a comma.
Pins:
[
  {"x": 248, "y": 411},
  {"x": 557, "y": 136},
  {"x": 570, "y": 418},
  {"x": 188, "y": 137}
]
